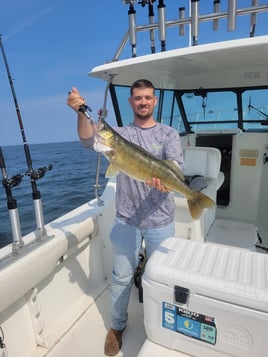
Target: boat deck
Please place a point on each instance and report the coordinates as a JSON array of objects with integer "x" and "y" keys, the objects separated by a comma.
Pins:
[
  {"x": 87, "y": 336},
  {"x": 238, "y": 234}
]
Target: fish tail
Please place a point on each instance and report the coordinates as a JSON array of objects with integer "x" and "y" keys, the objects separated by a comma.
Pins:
[{"x": 197, "y": 203}]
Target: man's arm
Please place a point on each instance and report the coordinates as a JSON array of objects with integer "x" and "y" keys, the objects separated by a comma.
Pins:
[{"x": 84, "y": 127}]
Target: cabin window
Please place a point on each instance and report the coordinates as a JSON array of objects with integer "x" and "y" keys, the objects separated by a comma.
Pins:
[
  {"x": 255, "y": 109},
  {"x": 122, "y": 108},
  {"x": 201, "y": 110},
  {"x": 168, "y": 111},
  {"x": 211, "y": 110}
]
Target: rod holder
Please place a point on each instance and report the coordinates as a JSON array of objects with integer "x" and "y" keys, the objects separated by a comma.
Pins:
[
  {"x": 17, "y": 242},
  {"x": 195, "y": 21},
  {"x": 232, "y": 7},
  {"x": 39, "y": 217},
  {"x": 12, "y": 207},
  {"x": 162, "y": 24},
  {"x": 253, "y": 19},
  {"x": 216, "y": 9},
  {"x": 132, "y": 29},
  {"x": 151, "y": 22},
  {"x": 182, "y": 17}
]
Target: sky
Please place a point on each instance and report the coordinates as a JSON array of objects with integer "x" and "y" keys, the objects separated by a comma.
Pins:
[{"x": 52, "y": 45}]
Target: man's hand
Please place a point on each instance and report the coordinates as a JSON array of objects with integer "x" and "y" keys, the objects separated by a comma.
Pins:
[
  {"x": 75, "y": 100},
  {"x": 156, "y": 183}
]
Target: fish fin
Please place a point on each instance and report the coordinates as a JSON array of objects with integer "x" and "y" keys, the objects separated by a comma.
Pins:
[
  {"x": 174, "y": 166},
  {"x": 198, "y": 202},
  {"x": 111, "y": 171}
]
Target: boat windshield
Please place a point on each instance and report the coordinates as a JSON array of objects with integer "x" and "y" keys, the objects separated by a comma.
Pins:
[{"x": 243, "y": 109}]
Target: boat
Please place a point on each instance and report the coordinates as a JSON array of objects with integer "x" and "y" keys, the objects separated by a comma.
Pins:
[{"x": 54, "y": 282}]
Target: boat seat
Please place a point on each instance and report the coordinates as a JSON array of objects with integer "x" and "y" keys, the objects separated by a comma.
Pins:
[{"x": 204, "y": 162}]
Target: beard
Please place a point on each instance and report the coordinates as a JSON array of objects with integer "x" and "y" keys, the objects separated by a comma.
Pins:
[{"x": 143, "y": 116}]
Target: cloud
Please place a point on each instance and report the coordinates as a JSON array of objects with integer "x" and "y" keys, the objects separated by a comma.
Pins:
[{"x": 28, "y": 22}]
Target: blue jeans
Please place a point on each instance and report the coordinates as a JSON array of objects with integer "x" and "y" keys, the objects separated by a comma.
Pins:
[{"x": 126, "y": 241}]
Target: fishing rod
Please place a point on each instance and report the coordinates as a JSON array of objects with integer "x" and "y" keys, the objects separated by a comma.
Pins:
[
  {"x": 33, "y": 174},
  {"x": 8, "y": 184}
]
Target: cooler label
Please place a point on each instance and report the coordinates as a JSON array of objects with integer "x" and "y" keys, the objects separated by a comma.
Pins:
[{"x": 189, "y": 323}]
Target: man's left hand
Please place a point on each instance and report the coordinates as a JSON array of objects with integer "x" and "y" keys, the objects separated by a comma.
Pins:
[{"x": 156, "y": 183}]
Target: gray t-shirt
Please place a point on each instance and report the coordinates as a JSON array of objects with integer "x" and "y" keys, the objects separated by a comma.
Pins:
[{"x": 136, "y": 203}]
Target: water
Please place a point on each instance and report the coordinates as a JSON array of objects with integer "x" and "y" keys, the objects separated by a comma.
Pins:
[{"x": 68, "y": 185}]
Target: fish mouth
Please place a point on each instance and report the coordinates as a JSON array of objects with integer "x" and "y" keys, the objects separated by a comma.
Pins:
[{"x": 102, "y": 137}]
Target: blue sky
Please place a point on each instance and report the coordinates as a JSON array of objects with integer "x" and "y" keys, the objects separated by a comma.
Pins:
[{"x": 52, "y": 45}]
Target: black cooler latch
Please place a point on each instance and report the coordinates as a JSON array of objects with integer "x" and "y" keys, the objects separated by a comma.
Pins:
[{"x": 181, "y": 294}]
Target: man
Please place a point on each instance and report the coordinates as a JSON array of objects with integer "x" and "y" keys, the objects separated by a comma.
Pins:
[{"x": 143, "y": 210}]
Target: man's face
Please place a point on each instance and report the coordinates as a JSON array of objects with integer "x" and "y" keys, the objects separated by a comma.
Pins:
[{"x": 143, "y": 102}]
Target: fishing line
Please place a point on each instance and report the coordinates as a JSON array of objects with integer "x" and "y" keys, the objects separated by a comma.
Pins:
[
  {"x": 33, "y": 174},
  {"x": 86, "y": 110}
]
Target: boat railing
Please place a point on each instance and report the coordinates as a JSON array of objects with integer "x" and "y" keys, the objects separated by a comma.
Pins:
[{"x": 192, "y": 21}]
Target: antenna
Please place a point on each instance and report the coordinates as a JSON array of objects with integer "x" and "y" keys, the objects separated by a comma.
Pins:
[{"x": 250, "y": 106}]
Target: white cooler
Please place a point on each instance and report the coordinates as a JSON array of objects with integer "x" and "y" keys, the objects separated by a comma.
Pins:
[{"x": 206, "y": 299}]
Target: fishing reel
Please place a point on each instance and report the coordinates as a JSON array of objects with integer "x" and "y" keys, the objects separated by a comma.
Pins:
[
  {"x": 14, "y": 181},
  {"x": 141, "y": 2},
  {"x": 86, "y": 110},
  {"x": 39, "y": 173}
]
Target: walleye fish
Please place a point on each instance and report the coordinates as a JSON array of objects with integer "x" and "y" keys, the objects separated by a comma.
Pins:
[{"x": 141, "y": 165}]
